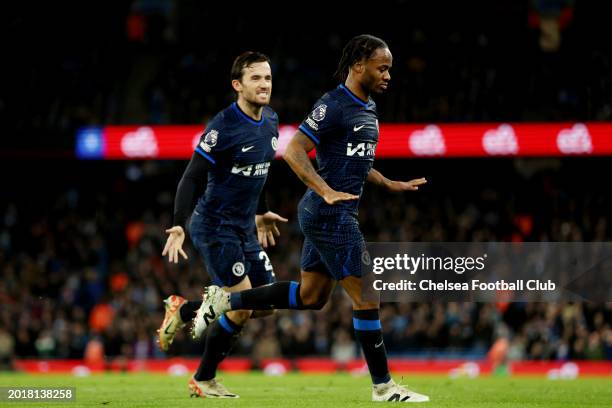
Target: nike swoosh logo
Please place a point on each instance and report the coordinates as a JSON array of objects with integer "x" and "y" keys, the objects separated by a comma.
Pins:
[
  {"x": 378, "y": 345},
  {"x": 246, "y": 149},
  {"x": 357, "y": 128}
]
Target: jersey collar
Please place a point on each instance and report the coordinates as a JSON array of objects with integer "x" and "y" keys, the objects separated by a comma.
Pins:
[
  {"x": 247, "y": 117},
  {"x": 353, "y": 96}
]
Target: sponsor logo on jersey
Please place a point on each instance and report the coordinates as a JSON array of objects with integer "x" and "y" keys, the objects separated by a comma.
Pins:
[
  {"x": 361, "y": 149},
  {"x": 251, "y": 170},
  {"x": 247, "y": 148},
  {"x": 274, "y": 143},
  {"x": 238, "y": 269},
  {"x": 210, "y": 140}
]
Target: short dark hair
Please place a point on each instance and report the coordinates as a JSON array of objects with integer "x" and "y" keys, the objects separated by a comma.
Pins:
[
  {"x": 246, "y": 59},
  {"x": 358, "y": 48}
]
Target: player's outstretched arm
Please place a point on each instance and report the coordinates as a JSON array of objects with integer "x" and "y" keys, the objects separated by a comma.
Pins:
[
  {"x": 375, "y": 177},
  {"x": 265, "y": 220},
  {"x": 267, "y": 229},
  {"x": 296, "y": 157},
  {"x": 174, "y": 244},
  {"x": 186, "y": 193}
]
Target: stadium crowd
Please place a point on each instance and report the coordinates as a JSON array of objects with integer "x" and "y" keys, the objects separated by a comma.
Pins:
[{"x": 82, "y": 272}]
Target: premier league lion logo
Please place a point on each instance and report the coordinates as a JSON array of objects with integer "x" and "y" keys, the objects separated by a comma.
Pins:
[
  {"x": 210, "y": 140},
  {"x": 318, "y": 113}
]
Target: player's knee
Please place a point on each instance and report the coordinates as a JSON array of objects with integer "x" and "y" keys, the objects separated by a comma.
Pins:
[
  {"x": 319, "y": 304},
  {"x": 239, "y": 317},
  {"x": 312, "y": 300}
]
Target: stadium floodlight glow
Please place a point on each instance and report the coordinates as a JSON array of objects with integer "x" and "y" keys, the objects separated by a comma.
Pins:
[{"x": 397, "y": 140}]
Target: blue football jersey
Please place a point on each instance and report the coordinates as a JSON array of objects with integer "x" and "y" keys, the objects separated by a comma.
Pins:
[
  {"x": 240, "y": 150},
  {"x": 345, "y": 130}
]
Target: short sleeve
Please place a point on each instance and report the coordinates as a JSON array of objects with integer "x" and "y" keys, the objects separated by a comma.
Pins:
[
  {"x": 325, "y": 118},
  {"x": 212, "y": 141}
]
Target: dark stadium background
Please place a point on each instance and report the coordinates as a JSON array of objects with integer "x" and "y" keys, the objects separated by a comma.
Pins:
[{"x": 80, "y": 241}]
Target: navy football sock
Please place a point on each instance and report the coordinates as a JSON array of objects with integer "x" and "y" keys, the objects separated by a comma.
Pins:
[
  {"x": 369, "y": 334},
  {"x": 189, "y": 310},
  {"x": 221, "y": 337},
  {"x": 278, "y": 295}
]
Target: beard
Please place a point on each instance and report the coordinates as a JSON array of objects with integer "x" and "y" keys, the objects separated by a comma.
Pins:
[{"x": 256, "y": 102}]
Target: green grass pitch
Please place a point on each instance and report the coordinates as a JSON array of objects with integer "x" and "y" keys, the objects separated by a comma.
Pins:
[{"x": 320, "y": 391}]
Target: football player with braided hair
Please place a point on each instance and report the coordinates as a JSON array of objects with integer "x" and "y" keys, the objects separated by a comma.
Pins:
[{"x": 343, "y": 126}]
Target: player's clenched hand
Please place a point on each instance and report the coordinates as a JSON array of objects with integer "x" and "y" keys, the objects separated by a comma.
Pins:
[
  {"x": 267, "y": 229},
  {"x": 174, "y": 244},
  {"x": 399, "y": 186},
  {"x": 332, "y": 197}
]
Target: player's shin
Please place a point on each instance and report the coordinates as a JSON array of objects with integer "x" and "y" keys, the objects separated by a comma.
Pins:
[
  {"x": 368, "y": 332},
  {"x": 278, "y": 295},
  {"x": 221, "y": 337}
]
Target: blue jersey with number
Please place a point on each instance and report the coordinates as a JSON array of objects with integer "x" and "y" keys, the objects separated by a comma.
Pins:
[
  {"x": 240, "y": 150},
  {"x": 345, "y": 130}
]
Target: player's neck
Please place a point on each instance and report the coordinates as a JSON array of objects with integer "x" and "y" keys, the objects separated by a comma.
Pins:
[
  {"x": 355, "y": 87},
  {"x": 251, "y": 110}
]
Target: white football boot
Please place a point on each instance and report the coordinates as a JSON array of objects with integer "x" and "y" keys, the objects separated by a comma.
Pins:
[
  {"x": 209, "y": 389},
  {"x": 392, "y": 392},
  {"x": 215, "y": 302}
]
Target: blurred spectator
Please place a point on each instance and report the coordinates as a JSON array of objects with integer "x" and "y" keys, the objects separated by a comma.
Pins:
[
  {"x": 7, "y": 349},
  {"x": 94, "y": 351},
  {"x": 551, "y": 16},
  {"x": 266, "y": 346},
  {"x": 101, "y": 317},
  {"x": 343, "y": 348}
]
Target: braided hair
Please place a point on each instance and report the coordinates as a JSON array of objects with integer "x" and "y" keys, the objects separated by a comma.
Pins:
[{"x": 358, "y": 48}]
